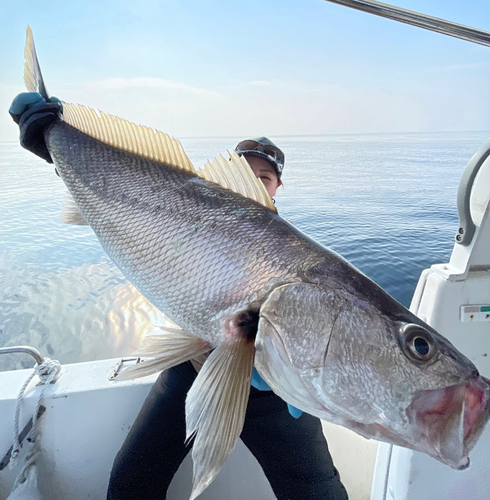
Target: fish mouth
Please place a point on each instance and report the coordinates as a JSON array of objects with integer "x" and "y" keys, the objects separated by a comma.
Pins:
[{"x": 450, "y": 420}]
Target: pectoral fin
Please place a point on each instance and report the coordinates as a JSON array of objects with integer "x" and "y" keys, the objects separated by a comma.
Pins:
[
  {"x": 215, "y": 408},
  {"x": 172, "y": 347}
]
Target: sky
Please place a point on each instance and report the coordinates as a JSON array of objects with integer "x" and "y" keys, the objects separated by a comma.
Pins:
[{"x": 227, "y": 68}]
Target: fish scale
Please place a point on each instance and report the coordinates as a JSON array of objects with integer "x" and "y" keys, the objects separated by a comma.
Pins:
[
  {"x": 233, "y": 258},
  {"x": 208, "y": 248}
]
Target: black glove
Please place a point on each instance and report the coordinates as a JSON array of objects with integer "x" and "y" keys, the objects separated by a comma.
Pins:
[{"x": 33, "y": 114}]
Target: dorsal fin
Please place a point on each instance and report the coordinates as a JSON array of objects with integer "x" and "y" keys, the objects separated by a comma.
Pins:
[
  {"x": 234, "y": 174},
  {"x": 128, "y": 136}
]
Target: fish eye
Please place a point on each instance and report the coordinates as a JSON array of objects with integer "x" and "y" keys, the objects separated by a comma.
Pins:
[
  {"x": 417, "y": 343},
  {"x": 421, "y": 346}
]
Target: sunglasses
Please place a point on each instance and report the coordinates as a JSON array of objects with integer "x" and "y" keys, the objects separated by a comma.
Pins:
[{"x": 249, "y": 146}]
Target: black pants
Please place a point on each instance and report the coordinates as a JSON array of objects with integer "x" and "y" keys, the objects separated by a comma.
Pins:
[{"x": 292, "y": 452}]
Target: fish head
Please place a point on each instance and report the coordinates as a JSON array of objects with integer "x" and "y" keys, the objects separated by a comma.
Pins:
[{"x": 386, "y": 375}]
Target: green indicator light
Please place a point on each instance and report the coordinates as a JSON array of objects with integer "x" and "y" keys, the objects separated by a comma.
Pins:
[{"x": 485, "y": 309}]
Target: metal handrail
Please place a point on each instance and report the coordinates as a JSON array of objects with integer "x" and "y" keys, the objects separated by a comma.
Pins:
[
  {"x": 424, "y": 21},
  {"x": 25, "y": 349},
  {"x": 467, "y": 226}
]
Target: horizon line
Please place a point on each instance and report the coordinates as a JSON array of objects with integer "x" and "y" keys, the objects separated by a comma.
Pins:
[{"x": 328, "y": 134}]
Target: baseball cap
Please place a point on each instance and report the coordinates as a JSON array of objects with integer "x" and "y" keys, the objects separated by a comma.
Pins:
[{"x": 264, "y": 148}]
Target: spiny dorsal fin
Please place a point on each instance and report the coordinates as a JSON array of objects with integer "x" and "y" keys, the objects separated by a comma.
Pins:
[
  {"x": 236, "y": 174},
  {"x": 33, "y": 77}
]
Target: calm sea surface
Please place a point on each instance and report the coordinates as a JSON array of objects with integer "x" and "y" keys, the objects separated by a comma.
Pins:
[{"x": 386, "y": 202}]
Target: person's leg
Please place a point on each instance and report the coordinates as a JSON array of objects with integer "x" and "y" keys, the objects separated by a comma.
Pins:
[
  {"x": 154, "y": 447},
  {"x": 292, "y": 452}
]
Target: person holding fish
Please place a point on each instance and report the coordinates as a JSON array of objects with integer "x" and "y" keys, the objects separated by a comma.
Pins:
[
  {"x": 292, "y": 451},
  {"x": 290, "y": 446},
  {"x": 247, "y": 288}
]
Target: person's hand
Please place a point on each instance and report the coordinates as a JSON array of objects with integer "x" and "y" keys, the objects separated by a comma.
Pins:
[
  {"x": 259, "y": 383},
  {"x": 33, "y": 114}
]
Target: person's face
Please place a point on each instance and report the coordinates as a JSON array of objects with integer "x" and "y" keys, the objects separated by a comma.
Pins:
[{"x": 264, "y": 171}]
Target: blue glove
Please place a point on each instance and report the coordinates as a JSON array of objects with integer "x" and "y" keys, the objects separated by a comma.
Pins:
[
  {"x": 33, "y": 115},
  {"x": 259, "y": 383},
  {"x": 28, "y": 100}
]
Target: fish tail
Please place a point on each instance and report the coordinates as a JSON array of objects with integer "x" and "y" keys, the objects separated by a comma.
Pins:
[{"x": 33, "y": 77}]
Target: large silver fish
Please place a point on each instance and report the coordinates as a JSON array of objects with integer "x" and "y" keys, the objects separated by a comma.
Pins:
[{"x": 245, "y": 284}]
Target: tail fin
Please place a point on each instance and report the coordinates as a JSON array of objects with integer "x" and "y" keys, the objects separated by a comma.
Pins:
[{"x": 33, "y": 77}]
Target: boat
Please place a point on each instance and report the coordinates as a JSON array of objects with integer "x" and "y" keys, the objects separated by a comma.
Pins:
[{"x": 74, "y": 418}]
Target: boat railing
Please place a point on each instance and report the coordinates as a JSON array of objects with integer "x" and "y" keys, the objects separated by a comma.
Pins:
[
  {"x": 467, "y": 224},
  {"x": 23, "y": 349},
  {"x": 419, "y": 20}
]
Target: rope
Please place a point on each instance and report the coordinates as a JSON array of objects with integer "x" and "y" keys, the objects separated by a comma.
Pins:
[
  {"x": 28, "y": 473},
  {"x": 47, "y": 372}
]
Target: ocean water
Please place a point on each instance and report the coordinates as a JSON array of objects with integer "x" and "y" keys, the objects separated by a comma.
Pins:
[{"x": 386, "y": 202}]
